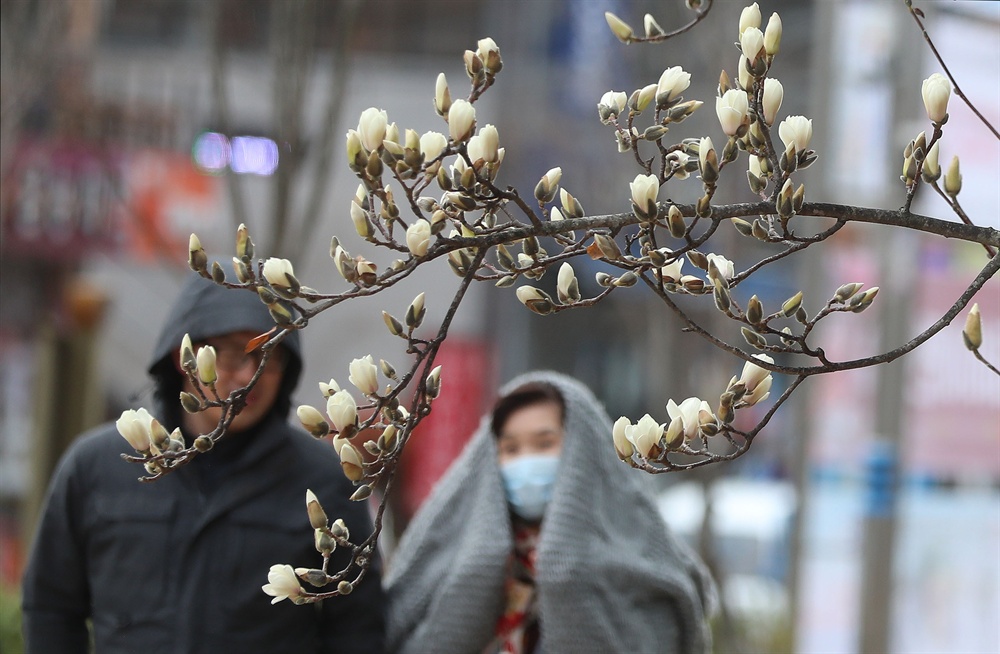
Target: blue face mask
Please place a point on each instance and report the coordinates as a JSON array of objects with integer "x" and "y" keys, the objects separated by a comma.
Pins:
[{"x": 529, "y": 481}]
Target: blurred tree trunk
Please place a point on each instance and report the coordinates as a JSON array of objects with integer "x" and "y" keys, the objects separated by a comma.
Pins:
[{"x": 299, "y": 184}]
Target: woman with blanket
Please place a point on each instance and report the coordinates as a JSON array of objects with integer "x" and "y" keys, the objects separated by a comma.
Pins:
[{"x": 539, "y": 540}]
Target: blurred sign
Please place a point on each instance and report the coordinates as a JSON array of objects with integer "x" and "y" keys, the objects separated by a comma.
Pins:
[
  {"x": 63, "y": 199},
  {"x": 168, "y": 199},
  {"x": 454, "y": 417}
]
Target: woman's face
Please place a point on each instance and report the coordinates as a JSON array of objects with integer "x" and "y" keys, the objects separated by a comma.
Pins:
[{"x": 532, "y": 429}]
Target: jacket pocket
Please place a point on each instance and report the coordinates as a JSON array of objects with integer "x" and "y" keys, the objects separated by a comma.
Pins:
[{"x": 129, "y": 555}]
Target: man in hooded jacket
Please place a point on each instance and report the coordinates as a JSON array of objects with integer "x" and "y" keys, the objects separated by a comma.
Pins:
[{"x": 177, "y": 565}]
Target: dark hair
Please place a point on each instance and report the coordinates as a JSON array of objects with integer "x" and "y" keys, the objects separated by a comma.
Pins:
[{"x": 522, "y": 396}]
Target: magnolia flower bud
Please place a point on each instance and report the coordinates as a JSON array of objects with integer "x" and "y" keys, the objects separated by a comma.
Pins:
[
  {"x": 489, "y": 140},
  {"x": 687, "y": 412},
  {"x": 623, "y": 447},
  {"x": 327, "y": 389},
  {"x": 356, "y": 158},
  {"x": 187, "y": 358},
  {"x": 755, "y": 310},
  {"x": 708, "y": 162},
  {"x": 418, "y": 237},
  {"x": 791, "y": 305},
  {"x": 796, "y": 131},
  {"x": 645, "y": 95},
  {"x": 206, "y": 365},
  {"x": 570, "y": 205},
  {"x": 133, "y": 425},
  {"x": 732, "y": 109},
  {"x": 718, "y": 266},
  {"x": 618, "y": 27},
  {"x": 645, "y": 436},
  {"x": 372, "y": 128},
  {"x": 651, "y": 27},
  {"x": 953, "y": 179},
  {"x": 282, "y": 584},
  {"x": 442, "y": 96},
  {"x": 752, "y": 44},
  {"x": 461, "y": 120},
  {"x": 535, "y": 299},
  {"x": 244, "y": 246},
  {"x": 489, "y": 53},
  {"x": 773, "y": 94},
  {"x": 972, "y": 335},
  {"x": 339, "y": 530},
  {"x": 644, "y": 191},
  {"x": 312, "y": 420},
  {"x": 242, "y": 271},
  {"x": 673, "y": 82},
  {"x": 935, "y": 91},
  {"x": 281, "y": 277},
  {"x": 846, "y": 291},
  {"x": 548, "y": 185},
  {"x": 931, "y": 171},
  {"x": 433, "y": 383},
  {"x": 317, "y": 516},
  {"x": 568, "y": 289},
  {"x": 672, "y": 271},
  {"x": 432, "y": 144},
  {"x": 350, "y": 462},
  {"x": 190, "y": 402},
  {"x": 611, "y": 105},
  {"x": 749, "y": 17},
  {"x": 415, "y": 312},
  {"x": 197, "y": 259},
  {"x": 364, "y": 375},
  {"x": 362, "y": 224},
  {"x": 342, "y": 409},
  {"x": 772, "y": 35}
]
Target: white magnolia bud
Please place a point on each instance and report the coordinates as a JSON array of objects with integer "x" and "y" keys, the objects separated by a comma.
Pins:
[
  {"x": 280, "y": 275},
  {"x": 772, "y": 35},
  {"x": 418, "y": 237},
  {"x": 973, "y": 332},
  {"x": 442, "y": 96},
  {"x": 673, "y": 82},
  {"x": 644, "y": 191},
  {"x": 644, "y": 435},
  {"x": 618, "y": 27},
  {"x": 134, "y": 426},
  {"x": 206, "y": 364},
  {"x": 364, "y": 375},
  {"x": 749, "y": 17},
  {"x": 752, "y": 43},
  {"x": 623, "y": 447},
  {"x": 936, "y": 90},
  {"x": 732, "y": 109},
  {"x": 282, "y": 583},
  {"x": 372, "y": 128},
  {"x": 953, "y": 178},
  {"x": 796, "y": 131},
  {"x": 342, "y": 409},
  {"x": 773, "y": 94},
  {"x": 461, "y": 120}
]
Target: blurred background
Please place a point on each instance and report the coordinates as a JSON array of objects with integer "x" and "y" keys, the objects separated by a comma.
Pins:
[{"x": 866, "y": 517}]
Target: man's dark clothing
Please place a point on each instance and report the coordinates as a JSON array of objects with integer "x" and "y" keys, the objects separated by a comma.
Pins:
[{"x": 177, "y": 565}]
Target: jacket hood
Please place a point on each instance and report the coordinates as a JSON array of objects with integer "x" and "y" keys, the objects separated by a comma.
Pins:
[{"x": 204, "y": 310}]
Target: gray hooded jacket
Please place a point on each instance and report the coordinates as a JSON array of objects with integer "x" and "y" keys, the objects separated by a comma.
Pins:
[
  {"x": 177, "y": 565},
  {"x": 610, "y": 576}
]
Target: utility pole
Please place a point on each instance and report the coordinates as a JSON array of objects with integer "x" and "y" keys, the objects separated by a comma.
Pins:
[{"x": 897, "y": 271}]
